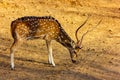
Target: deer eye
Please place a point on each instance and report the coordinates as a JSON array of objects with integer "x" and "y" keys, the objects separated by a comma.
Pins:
[{"x": 77, "y": 47}]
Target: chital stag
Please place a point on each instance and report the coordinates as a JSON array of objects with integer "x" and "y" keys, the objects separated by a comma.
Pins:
[{"x": 47, "y": 28}]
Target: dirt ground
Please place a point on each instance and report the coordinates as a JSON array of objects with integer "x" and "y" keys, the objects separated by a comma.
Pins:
[{"x": 99, "y": 59}]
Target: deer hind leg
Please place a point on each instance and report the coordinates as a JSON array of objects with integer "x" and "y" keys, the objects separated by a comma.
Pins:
[
  {"x": 50, "y": 56},
  {"x": 14, "y": 46}
]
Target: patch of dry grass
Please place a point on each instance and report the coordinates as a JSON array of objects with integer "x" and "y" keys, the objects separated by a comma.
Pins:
[{"x": 99, "y": 58}]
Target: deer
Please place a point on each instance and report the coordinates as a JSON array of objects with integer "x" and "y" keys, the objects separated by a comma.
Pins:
[{"x": 46, "y": 28}]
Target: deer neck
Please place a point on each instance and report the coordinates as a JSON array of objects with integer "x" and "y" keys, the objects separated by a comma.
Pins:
[{"x": 65, "y": 40}]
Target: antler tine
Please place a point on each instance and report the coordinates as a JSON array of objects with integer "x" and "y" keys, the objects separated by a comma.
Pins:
[
  {"x": 76, "y": 35},
  {"x": 80, "y": 41}
]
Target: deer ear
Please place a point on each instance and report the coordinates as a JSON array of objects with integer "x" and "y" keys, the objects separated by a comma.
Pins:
[{"x": 73, "y": 44}]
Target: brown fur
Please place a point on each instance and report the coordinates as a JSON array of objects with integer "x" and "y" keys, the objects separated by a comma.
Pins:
[{"x": 47, "y": 28}]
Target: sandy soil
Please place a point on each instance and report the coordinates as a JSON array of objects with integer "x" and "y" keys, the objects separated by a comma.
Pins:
[{"x": 99, "y": 58}]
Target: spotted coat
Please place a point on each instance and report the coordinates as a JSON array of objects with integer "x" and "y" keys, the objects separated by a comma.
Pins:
[{"x": 47, "y": 27}]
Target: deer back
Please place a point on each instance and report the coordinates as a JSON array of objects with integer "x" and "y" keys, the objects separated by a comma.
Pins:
[{"x": 35, "y": 27}]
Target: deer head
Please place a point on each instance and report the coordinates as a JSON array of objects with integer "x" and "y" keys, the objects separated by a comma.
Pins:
[{"x": 78, "y": 45}]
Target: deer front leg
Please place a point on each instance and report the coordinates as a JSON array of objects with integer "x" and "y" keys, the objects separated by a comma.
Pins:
[{"x": 50, "y": 56}]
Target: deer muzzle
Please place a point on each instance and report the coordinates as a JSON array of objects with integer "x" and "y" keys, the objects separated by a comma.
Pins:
[{"x": 73, "y": 55}]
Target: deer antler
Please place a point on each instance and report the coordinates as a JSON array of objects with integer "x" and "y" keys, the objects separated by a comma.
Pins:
[
  {"x": 80, "y": 41},
  {"x": 76, "y": 35}
]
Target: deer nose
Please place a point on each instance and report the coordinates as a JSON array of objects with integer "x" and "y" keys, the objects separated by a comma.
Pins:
[{"x": 74, "y": 58}]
